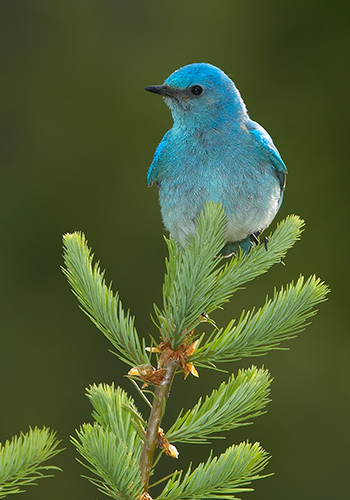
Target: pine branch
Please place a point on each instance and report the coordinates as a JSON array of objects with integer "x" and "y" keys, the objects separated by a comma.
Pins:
[
  {"x": 112, "y": 459},
  {"x": 113, "y": 445},
  {"x": 220, "y": 477},
  {"x": 246, "y": 267},
  {"x": 120, "y": 447},
  {"x": 195, "y": 284},
  {"x": 229, "y": 406},
  {"x": 98, "y": 302},
  {"x": 280, "y": 319},
  {"x": 150, "y": 444},
  {"x": 190, "y": 276},
  {"x": 21, "y": 459},
  {"x": 110, "y": 407}
]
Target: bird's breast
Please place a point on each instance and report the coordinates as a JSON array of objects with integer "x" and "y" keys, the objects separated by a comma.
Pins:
[{"x": 197, "y": 171}]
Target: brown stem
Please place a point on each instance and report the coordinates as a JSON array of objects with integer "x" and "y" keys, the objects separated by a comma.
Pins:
[{"x": 161, "y": 394}]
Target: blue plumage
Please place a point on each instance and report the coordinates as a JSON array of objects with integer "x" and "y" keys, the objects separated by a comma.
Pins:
[{"x": 214, "y": 152}]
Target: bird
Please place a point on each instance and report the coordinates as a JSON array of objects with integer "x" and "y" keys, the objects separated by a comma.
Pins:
[{"x": 214, "y": 152}]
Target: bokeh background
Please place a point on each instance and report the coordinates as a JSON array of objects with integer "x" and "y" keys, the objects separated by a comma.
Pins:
[{"x": 77, "y": 136}]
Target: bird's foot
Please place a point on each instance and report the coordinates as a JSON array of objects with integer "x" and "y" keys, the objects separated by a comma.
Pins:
[
  {"x": 265, "y": 241},
  {"x": 254, "y": 238}
]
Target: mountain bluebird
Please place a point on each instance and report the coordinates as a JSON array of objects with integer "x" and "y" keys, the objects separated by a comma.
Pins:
[{"x": 214, "y": 152}]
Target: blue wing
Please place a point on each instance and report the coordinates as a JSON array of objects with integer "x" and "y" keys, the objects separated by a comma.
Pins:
[
  {"x": 152, "y": 171},
  {"x": 266, "y": 144}
]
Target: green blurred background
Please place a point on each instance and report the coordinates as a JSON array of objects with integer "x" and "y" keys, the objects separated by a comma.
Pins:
[{"x": 77, "y": 136}]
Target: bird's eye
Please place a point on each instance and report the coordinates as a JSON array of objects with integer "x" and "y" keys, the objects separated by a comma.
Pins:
[{"x": 196, "y": 90}]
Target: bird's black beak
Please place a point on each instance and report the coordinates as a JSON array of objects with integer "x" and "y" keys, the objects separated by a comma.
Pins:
[{"x": 163, "y": 90}]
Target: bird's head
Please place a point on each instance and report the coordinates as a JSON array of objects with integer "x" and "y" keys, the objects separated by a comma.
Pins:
[{"x": 201, "y": 94}]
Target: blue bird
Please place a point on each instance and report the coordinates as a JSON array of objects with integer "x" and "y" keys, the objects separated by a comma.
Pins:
[{"x": 214, "y": 152}]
